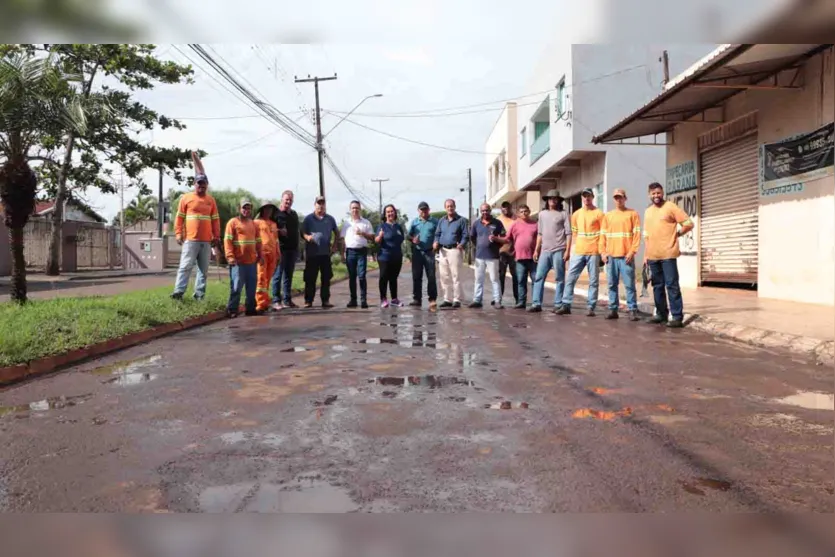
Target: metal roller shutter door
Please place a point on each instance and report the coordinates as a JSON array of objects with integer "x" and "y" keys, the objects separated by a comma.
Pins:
[{"x": 729, "y": 212}]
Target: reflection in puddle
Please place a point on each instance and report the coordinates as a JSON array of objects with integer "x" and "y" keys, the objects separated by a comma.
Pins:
[
  {"x": 53, "y": 403},
  {"x": 507, "y": 405},
  {"x": 295, "y": 349},
  {"x": 301, "y": 496},
  {"x": 810, "y": 400},
  {"x": 339, "y": 348},
  {"x": 131, "y": 378},
  {"x": 431, "y": 381},
  {"x": 127, "y": 372}
]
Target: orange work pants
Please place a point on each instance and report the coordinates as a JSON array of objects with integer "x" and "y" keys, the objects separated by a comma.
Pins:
[{"x": 265, "y": 274}]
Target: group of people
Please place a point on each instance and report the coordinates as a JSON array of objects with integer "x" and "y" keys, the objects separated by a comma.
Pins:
[{"x": 262, "y": 247}]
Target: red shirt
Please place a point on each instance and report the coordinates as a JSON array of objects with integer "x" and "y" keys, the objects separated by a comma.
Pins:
[{"x": 523, "y": 235}]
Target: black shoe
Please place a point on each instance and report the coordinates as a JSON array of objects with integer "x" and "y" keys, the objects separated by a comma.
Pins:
[
  {"x": 612, "y": 314},
  {"x": 198, "y": 298},
  {"x": 364, "y": 305},
  {"x": 492, "y": 303},
  {"x": 520, "y": 305},
  {"x": 657, "y": 320},
  {"x": 633, "y": 315},
  {"x": 563, "y": 310},
  {"x": 535, "y": 309},
  {"x": 352, "y": 304},
  {"x": 456, "y": 305},
  {"x": 445, "y": 304},
  {"x": 675, "y": 324},
  {"x": 231, "y": 314},
  {"x": 177, "y": 296},
  {"x": 251, "y": 313},
  {"x": 291, "y": 304},
  {"x": 590, "y": 313},
  {"x": 327, "y": 305},
  {"x": 415, "y": 304},
  {"x": 474, "y": 305}
]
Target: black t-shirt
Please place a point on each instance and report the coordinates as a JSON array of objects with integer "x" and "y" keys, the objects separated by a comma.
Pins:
[{"x": 290, "y": 221}]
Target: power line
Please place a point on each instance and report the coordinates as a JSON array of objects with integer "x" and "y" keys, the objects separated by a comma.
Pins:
[{"x": 247, "y": 144}]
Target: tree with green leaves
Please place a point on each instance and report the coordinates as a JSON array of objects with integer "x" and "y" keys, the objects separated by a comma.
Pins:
[
  {"x": 36, "y": 98},
  {"x": 110, "y": 75},
  {"x": 142, "y": 207}
]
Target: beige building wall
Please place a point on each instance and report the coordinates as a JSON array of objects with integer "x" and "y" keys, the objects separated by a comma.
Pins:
[{"x": 796, "y": 230}]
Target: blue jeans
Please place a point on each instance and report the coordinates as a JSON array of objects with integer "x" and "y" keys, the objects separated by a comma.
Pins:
[
  {"x": 665, "y": 277},
  {"x": 423, "y": 262},
  {"x": 240, "y": 276},
  {"x": 548, "y": 261},
  {"x": 575, "y": 267},
  {"x": 193, "y": 252},
  {"x": 617, "y": 268},
  {"x": 283, "y": 276},
  {"x": 357, "y": 262},
  {"x": 525, "y": 268}
]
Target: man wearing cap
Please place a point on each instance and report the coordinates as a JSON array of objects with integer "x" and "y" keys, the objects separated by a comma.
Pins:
[
  {"x": 197, "y": 228},
  {"x": 661, "y": 233},
  {"x": 355, "y": 233},
  {"x": 553, "y": 246},
  {"x": 242, "y": 244},
  {"x": 585, "y": 228},
  {"x": 422, "y": 235},
  {"x": 450, "y": 241},
  {"x": 270, "y": 253},
  {"x": 620, "y": 239},
  {"x": 507, "y": 255},
  {"x": 288, "y": 242},
  {"x": 318, "y": 228}
]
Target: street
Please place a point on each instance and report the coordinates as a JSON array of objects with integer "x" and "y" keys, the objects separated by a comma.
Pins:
[{"x": 405, "y": 409}]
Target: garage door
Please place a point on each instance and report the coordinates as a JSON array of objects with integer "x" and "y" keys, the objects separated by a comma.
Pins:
[{"x": 729, "y": 212}]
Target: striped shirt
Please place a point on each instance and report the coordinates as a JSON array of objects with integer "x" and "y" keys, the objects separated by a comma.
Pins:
[
  {"x": 585, "y": 228},
  {"x": 620, "y": 233},
  {"x": 242, "y": 241},
  {"x": 197, "y": 218}
]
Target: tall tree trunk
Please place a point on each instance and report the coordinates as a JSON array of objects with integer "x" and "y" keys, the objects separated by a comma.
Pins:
[
  {"x": 18, "y": 294},
  {"x": 53, "y": 263}
]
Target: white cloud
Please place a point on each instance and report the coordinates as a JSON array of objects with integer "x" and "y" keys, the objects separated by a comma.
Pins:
[{"x": 417, "y": 56}]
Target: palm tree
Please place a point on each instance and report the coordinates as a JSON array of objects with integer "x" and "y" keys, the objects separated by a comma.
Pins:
[
  {"x": 36, "y": 98},
  {"x": 143, "y": 207}
]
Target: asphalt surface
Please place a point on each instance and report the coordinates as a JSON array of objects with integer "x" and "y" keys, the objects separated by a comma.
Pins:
[{"x": 410, "y": 410}]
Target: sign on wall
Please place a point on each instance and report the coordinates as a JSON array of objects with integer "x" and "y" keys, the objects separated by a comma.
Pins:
[
  {"x": 681, "y": 189},
  {"x": 786, "y": 164}
]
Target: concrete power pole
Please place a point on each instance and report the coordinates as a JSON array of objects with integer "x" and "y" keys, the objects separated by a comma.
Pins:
[
  {"x": 665, "y": 61},
  {"x": 380, "y": 186},
  {"x": 470, "y": 209},
  {"x": 122, "y": 218},
  {"x": 160, "y": 207},
  {"x": 319, "y": 147}
]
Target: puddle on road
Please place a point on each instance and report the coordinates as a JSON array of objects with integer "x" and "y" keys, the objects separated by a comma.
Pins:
[
  {"x": 52, "y": 403},
  {"x": 790, "y": 423},
  {"x": 301, "y": 496},
  {"x": 131, "y": 378},
  {"x": 127, "y": 372},
  {"x": 507, "y": 405},
  {"x": 431, "y": 381},
  {"x": 234, "y": 437},
  {"x": 809, "y": 400},
  {"x": 295, "y": 349},
  {"x": 709, "y": 483},
  {"x": 668, "y": 420}
]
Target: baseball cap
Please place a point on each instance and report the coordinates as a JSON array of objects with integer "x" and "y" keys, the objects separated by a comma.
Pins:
[
  {"x": 423, "y": 205},
  {"x": 620, "y": 192},
  {"x": 200, "y": 178},
  {"x": 319, "y": 199},
  {"x": 588, "y": 191},
  {"x": 245, "y": 201}
]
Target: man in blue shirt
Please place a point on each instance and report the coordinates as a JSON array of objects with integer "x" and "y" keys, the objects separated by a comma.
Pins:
[
  {"x": 422, "y": 235},
  {"x": 488, "y": 233},
  {"x": 450, "y": 240},
  {"x": 317, "y": 229}
]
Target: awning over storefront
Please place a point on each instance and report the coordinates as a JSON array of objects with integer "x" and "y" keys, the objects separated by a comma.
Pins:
[{"x": 728, "y": 70}]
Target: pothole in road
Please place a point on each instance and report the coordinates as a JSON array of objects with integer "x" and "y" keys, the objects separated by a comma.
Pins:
[
  {"x": 696, "y": 486},
  {"x": 299, "y": 496},
  {"x": 295, "y": 349},
  {"x": 507, "y": 405},
  {"x": 131, "y": 378},
  {"x": 809, "y": 400},
  {"x": 127, "y": 372},
  {"x": 235, "y": 437},
  {"x": 430, "y": 381},
  {"x": 52, "y": 403}
]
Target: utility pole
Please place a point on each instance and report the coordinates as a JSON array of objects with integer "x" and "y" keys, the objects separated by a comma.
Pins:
[
  {"x": 160, "y": 207},
  {"x": 665, "y": 61},
  {"x": 320, "y": 149},
  {"x": 122, "y": 217},
  {"x": 470, "y": 209},
  {"x": 380, "y": 185}
]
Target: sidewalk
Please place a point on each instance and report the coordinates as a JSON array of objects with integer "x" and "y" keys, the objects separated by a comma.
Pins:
[{"x": 93, "y": 274}]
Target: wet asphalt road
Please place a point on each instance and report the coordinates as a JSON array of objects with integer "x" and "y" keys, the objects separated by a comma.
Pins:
[{"x": 411, "y": 410}]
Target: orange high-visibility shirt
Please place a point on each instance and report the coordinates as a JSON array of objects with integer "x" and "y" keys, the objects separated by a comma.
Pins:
[
  {"x": 585, "y": 227},
  {"x": 268, "y": 230},
  {"x": 620, "y": 233},
  {"x": 660, "y": 227},
  {"x": 242, "y": 241},
  {"x": 197, "y": 218}
]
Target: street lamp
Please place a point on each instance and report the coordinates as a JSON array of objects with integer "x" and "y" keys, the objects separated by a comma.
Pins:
[{"x": 352, "y": 111}]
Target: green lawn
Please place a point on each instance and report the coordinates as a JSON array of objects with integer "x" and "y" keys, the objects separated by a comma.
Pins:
[{"x": 50, "y": 327}]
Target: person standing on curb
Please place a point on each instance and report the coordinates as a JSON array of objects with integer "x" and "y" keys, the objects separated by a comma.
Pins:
[
  {"x": 242, "y": 244},
  {"x": 390, "y": 238},
  {"x": 488, "y": 235},
  {"x": 318, "y": 228},
  {"x": 355, "y": 233},
  {"x": 585, "y": 227},
  {"x": 661, "y": 235},
  {"x": 620, "y": 240},
  {"x": 507, "y": 258},
  {"x": 270, "y": 254},
  {"x": 197, "y": 229},
  {"x": 422, "y": 235},
  {"x": 288, "y": 242},
  {"x": 450, "y": 242},
  {"x": 553, "y": 246},
  {"x": 523, "y": 234}
]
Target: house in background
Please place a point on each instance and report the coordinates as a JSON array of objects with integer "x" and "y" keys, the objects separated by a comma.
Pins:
[{"x": 74, "y": 211}]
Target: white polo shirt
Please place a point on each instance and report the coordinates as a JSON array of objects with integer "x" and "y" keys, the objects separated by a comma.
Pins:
[{"x": 350, "y": 231}]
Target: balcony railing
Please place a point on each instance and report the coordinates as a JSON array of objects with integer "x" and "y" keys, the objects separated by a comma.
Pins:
[{"x": 540, "y": 146}]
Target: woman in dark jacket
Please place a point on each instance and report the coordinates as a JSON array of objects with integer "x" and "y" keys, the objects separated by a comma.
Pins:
[{"x": 390, "y": 237}]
